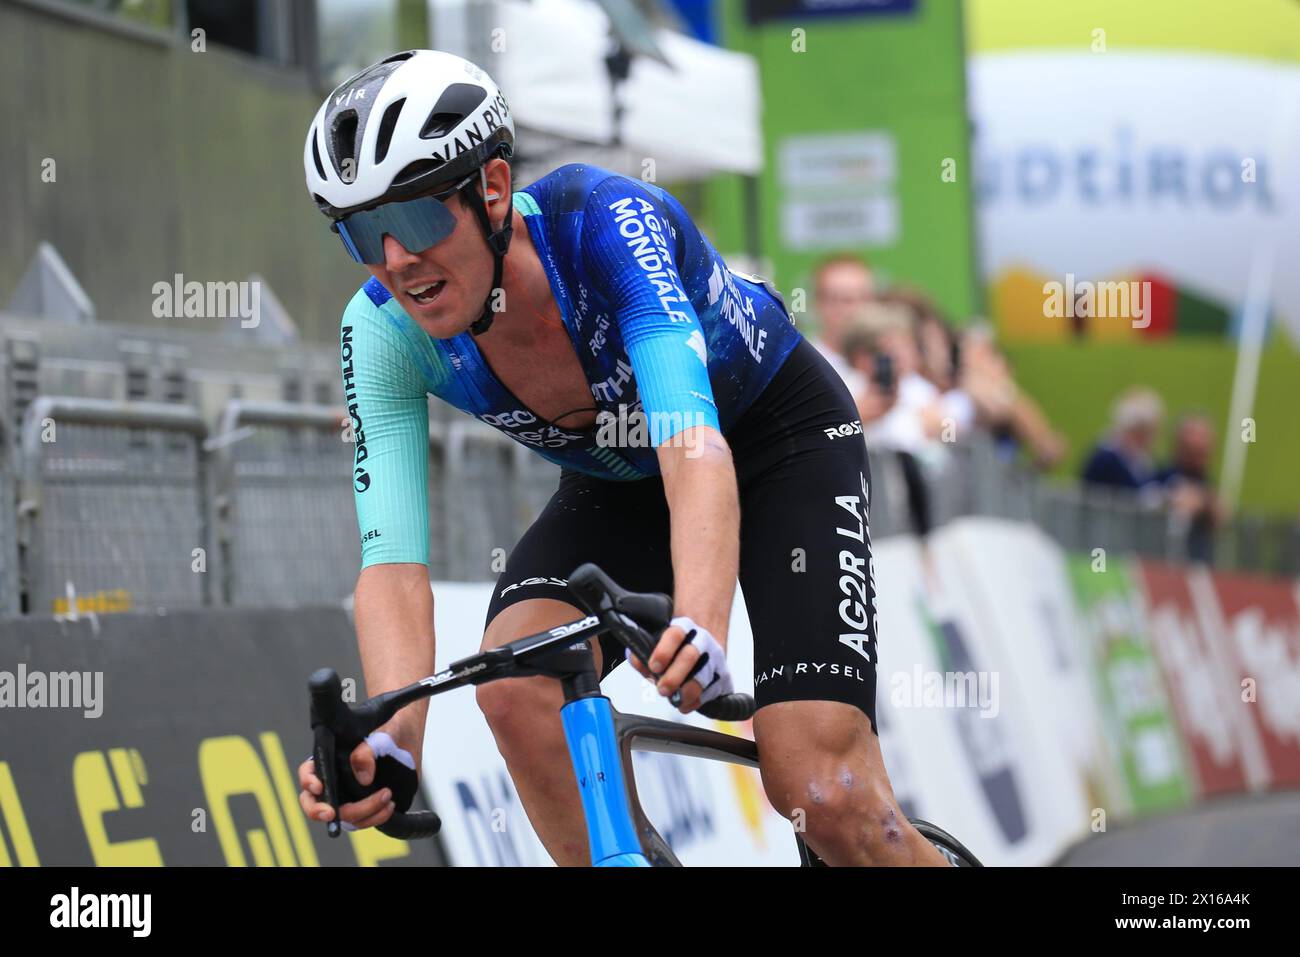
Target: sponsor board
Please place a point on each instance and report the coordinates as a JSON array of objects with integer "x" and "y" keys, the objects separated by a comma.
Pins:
[
  {"x": 1223, "y": 750},
  {"x": 192, "y": 758},
  {"x": 1261, "y": 630},
  {"x": 1141, "y": 730},
  {"x": 1013, "y": 586}
]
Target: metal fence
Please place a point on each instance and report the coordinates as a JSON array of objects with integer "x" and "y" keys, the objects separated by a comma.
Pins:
[
  {"x": 115, "y": 498},
  {"x": 284, "y": 519},
  {"x": 111, "y": 507},
  {"x": 970, "y": 479}
]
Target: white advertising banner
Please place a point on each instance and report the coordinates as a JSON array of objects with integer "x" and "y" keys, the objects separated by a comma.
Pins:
[
  {"x": 1107, "y": 165},
  {"x": 974, "y": 766}
]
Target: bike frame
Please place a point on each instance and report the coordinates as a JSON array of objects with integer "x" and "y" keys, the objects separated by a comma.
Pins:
[{"x": 601, "y": 741}]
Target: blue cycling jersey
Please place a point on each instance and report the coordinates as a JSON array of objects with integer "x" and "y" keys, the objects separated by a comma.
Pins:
[{"x": 668, "y": 337}]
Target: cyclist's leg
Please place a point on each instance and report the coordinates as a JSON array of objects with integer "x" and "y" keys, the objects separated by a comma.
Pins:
[
  {"x": 810, "y": 592},
  {"x": 621, "y": 526},
  {"x": 815, "y": 670}
]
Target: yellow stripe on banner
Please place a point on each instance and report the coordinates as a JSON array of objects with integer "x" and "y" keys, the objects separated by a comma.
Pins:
[
  {"x": 282, "y": 781},
  {"x": 1259, "y": 29},
  {"x": 124, "y": 770},
  {"x": 15, "y": 824}
]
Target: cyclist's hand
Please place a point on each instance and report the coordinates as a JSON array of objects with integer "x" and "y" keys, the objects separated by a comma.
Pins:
[
  {"x": 669, "y": 667},
  {"x": 371, "y": 811},
  {"x": 675, "y": 664}
]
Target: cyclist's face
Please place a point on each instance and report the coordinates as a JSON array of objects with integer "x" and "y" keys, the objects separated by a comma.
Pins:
[{"x": 443, "y": 288}]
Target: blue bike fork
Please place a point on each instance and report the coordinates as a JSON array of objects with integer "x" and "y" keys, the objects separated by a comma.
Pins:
[{"x": 593, "y": 748}]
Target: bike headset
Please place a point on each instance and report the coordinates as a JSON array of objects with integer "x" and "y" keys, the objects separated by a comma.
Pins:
[{"x": 385, "y": 136}]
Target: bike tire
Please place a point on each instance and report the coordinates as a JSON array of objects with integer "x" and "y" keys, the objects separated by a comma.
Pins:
[{"x": 949, "y": 846}]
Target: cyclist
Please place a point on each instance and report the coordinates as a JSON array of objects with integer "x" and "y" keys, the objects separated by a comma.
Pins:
[{"x": 701, "y": 438}]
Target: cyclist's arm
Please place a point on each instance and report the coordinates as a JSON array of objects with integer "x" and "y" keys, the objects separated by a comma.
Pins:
[
  {"x": 704, "y": 511},
  {"x": 393, "y": 604},
  {"x": 666, "y": 344},
  {"x": 394, "y": 618}
]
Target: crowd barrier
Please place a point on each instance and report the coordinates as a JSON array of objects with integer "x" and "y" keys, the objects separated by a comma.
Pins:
[
  {"x": 168, "y": 469},
  {"x": 212, "y": 474},
  {"x": 144, "y": 740}
]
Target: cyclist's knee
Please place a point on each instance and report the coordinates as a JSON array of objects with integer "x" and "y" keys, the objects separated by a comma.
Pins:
[
  {"x": 516, "y": 706},
  {"x": 822, "y": 769},
  {"x": 840, "y": 816}
]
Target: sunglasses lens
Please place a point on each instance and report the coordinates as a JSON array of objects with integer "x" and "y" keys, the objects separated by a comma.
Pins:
[{"x": 417, "y": 224}]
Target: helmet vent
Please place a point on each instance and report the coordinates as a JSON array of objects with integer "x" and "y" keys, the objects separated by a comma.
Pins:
[
  {"x": 456, "y": 102},
  {"x": 345, "y": 139},
  {"x": 315, "y": 155},
  {"x": 386, "y": 126},
  {"x": 413, "y": 171}
]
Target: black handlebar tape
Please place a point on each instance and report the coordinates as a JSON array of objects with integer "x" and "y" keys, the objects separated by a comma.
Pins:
[
  {"x": 411, "y": 826},
  {"x": 729, "y": 707}
]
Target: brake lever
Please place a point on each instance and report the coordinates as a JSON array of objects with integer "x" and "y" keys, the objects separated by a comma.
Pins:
[{"x": 326, "y": 691}]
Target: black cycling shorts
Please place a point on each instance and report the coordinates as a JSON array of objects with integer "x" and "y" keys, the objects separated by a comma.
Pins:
[{"x": 805, "y": 549}]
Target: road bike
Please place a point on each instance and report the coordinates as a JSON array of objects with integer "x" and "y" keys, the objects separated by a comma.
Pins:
[{"x": 600, "y": 738}]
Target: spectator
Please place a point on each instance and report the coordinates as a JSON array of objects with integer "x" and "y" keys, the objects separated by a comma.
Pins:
[
  {"x": 880, "y": 341},
  {"x": 900, "y": 409},
  {"x": 1012, "y": 417},
  {"x": 842, "y": 286},
  {"x": 1186, "y": 481},
  {"x": 1124, "y": 459},
  {"x": 936, "y": 352},
  {"x": 865, "y": 361}
]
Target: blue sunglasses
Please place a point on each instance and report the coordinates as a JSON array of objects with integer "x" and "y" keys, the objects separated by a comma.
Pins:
[{"x": 415, "y": 223}]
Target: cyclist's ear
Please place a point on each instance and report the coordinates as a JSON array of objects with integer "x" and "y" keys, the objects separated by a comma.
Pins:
[{"x": 497, "y": 174}]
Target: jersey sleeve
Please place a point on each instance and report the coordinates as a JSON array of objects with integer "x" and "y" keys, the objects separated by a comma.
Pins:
[
  {"x": 627, "y": 252},
  {"x": 386, "y": 400}
]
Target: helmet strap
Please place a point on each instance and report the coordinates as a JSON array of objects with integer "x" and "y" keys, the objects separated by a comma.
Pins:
[{"x": 498, "y": 241}]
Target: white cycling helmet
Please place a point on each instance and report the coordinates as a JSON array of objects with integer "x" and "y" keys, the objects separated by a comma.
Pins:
[{"x": 402, "y": 125}]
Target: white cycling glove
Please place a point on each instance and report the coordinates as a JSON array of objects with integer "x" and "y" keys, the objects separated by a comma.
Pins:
[{"x": 711, "y": 671}]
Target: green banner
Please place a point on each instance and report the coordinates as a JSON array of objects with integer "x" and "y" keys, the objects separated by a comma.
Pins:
[{"x": 1139, "y": 721}]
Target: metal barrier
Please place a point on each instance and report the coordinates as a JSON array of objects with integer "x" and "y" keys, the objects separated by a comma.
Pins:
[
  {"x": 970, "y": 479},
  {"x": 285, "y": 522},
  {"x": 112, "y": 506},
  {"x": 114, "y": 509},
  {"x": 535, "y": 480},
  {"x": 10, "y": 593},
  {"x": 440, "y": 501},
  {"x": 480, "y": 501}
]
